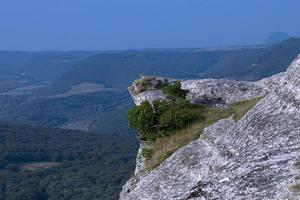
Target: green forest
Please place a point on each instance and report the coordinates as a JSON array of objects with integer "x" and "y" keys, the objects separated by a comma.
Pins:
[{"x": 71, "y": 164}]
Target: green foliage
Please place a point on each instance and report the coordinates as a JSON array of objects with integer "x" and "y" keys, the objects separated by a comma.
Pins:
[
  {"x": 147, "y": 153},
  {"x": 90, "y": 166},
  {"x": 143, "y": 118},
  {"x": 174, "y": 91},
  {"x": 157, "y": 120},
  {"x": 163, "y": 147},
  {"x": 177, "y": 118}
]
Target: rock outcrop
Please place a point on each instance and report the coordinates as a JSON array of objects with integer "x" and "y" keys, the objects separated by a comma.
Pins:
[
  {"x": 148, "y": 88},
  {"x": 254, "y": 158},
  {"x": 210, "y": 92}
]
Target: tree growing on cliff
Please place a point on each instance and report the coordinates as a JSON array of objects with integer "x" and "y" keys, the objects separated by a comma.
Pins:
[
  {"x": 152, "y": 121},
  {"x": 143, "y": 118}
]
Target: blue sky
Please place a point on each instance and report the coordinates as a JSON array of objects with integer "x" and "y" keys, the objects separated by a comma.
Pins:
[{"x": 133, "y": 24}]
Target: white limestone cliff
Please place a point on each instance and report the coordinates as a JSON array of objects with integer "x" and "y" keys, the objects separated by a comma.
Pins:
[{"x": 254, "y": 158}]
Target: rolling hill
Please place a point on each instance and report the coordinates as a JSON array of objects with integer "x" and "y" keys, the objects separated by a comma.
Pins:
[
  {"x": 253, "y": 65},
  {"x": 120, "y": 69}
]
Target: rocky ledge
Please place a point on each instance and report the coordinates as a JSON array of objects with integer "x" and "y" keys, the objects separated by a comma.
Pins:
[
  {"x": 210, "y": 92},
  {"x": 254, "y": 158}
]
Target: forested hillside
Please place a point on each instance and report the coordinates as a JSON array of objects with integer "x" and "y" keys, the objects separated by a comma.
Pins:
[
  {"x": 115, "y": 69},
  {"x": 254, "y": 65},
  {"x": 55, "y": 164},
  {"x": 121, "y": 68}
]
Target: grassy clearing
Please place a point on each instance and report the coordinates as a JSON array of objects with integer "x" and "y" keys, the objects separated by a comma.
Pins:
[
  {"x": 38, "y": 165},
  {"x": 163, "y": 147}
]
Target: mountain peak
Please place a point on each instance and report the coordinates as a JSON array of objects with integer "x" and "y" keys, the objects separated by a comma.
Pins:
[{"x": 276, "y": 37}]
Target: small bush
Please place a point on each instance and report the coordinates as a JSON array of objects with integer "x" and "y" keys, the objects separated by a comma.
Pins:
[
  {"x": 147, "y": 153},
  {"x": 157, "y": 120},
  {"x": 143, "y": 118},
  {"x": 174, "y": 91},
  {"x": 177, "y": 118}
]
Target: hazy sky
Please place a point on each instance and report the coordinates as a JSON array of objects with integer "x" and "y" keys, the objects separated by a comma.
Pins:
[{"x": 132, "y": 24}]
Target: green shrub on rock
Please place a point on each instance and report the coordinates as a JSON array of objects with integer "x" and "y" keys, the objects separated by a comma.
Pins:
[
  {"x": 174, "y": 91},
  {"x": 143, "y": 118},
  {"x": 157, "y": 120},
  {"x": 147, "y": 153},
  {"x": 177, "y": 118}
]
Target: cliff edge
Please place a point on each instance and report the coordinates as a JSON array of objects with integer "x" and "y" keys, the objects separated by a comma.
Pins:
[{"x": 256, "y": 157}]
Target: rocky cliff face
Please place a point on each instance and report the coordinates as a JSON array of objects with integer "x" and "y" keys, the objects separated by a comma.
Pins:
[{"x": 254, "y": 158}]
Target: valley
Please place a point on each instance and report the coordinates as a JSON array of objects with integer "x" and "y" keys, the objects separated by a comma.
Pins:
[
  {"x": 91, "y": 92},
  {"x": 84, "y": 94}
]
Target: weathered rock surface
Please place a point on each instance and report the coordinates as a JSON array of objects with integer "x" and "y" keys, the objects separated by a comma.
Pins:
[
  {"x": 211, "y": 92},
  {"x": 253, "y": 158},
  {"x": 140, "y": 160},
  {"x": 220, "y": 92},
  {"x": 148, "y": 88}
]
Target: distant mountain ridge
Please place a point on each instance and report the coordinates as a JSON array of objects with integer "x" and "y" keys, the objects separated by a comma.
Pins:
[
  {"x": 113, "y": 69},
  {"x": 255, "y": 64},
  {"x": 276, "y": 37}
]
